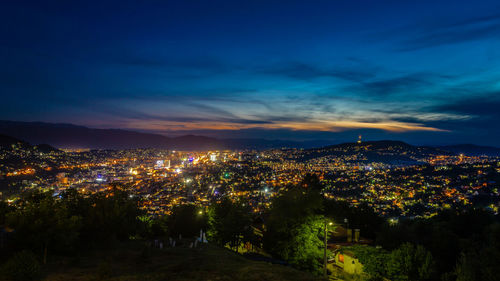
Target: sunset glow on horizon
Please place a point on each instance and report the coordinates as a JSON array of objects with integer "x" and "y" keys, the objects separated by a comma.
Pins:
[{"x": 277, "y": 69}]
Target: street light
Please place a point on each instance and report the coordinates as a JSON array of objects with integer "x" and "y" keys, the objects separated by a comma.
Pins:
[
  {"x": 346, "y": 221},
  {"x": 326, "y": 246}
]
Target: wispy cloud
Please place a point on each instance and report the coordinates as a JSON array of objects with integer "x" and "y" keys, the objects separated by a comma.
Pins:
[
  {"x": 406, "y": 84},
  {"x": 439, "y": 33},
  {"x": 485, "y": 106},
  {"x": 309, "y": 71}
]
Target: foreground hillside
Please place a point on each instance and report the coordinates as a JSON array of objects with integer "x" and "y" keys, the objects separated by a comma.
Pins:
[{"x": 135, "y": 262}]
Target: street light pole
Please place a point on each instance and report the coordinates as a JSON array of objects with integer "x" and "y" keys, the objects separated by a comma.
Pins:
[
  {"x": 326, "y": 246},
  {"x": 324, "y": 253},
  {"x": 347, "y": 229}
]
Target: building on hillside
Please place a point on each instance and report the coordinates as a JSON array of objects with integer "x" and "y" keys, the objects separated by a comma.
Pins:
[{"x": 348, "y": 262}]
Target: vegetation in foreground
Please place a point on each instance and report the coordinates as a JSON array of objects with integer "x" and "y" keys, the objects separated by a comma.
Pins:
[
  {"x": 134, "y": 261},
  {"x": 41, "y": 230}
]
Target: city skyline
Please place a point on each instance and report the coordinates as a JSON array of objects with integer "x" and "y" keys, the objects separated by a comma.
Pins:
[{"x": 423, "y": 72}]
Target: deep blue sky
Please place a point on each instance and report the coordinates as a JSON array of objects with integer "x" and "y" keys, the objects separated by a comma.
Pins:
[{"x": 426, "y": 72}]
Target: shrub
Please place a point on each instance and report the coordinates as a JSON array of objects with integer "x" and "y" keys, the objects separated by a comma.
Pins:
[{"x": 22, "y": 266}]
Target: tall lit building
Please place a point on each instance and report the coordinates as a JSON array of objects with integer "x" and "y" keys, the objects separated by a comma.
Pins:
[
  {"x": 159, "y": 164},
  {"x": 213, "y": 157}
]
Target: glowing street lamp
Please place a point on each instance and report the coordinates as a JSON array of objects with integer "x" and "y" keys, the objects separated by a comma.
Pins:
[{"x": 326, "y": 246}]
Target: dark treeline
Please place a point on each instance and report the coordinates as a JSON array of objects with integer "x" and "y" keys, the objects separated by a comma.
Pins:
[
  {"x": 40, "y": 225},
  {"x": 44, "y": 224},
  {"x": 465, "y": 245},
  {"x": 454, "y": 245}
]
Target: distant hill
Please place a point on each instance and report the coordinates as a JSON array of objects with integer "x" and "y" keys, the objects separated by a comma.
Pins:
[
  {"x": 472, "y": 150},
  {"x": 15, "y": 153},
  {"x": 9, "y": 143},
  {"x": 6, "y": 142},
  {"x": 45, "y": 148},
  {"x": 73, "y": 136},
  {"x": 385, "y": 151},
  {"x": 388, "y": 146}
]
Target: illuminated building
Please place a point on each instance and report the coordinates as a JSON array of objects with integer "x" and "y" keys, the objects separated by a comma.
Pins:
[
  {"x": 213, "y": 157},
  {"x": 159, "y": 164}
]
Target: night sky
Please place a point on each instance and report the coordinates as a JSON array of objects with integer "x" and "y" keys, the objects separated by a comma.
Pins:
[{"x": 426, "y": 72}]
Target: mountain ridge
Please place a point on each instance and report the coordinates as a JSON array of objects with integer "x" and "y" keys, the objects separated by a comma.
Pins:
[
  {"x": 472, "y": 149},
  {"x": 65, "y": 135}
]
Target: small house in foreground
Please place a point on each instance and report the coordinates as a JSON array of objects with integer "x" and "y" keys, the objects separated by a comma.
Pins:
[{"x": 348, "y": 262}]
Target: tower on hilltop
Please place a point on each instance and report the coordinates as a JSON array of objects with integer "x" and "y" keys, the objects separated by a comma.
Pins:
[{"x": 359, "y": 139}]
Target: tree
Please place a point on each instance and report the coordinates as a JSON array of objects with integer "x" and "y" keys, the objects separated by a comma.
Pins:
[
  {"x": 4, "y": 209},
  {"x": 186, "y": 220},
  {"x": 481, "y": 263},
  {"x": 153, "y": 228},
  {"x": 43, "y": 223},
  {"x": 303, "y": 247},
  {"x": 410, "y": 263},
  {"x": 111, "y": 215},
  {"x": 230, "y": 223},
  {"x": 311, "y": 182},
  {"x": 22, "y": 266},
  {"x": 468, "y": 267},
  {"x": 361, "y": 216},
  {"x": 374, "y": 260},
  {"x": 293, "y": 228},
  {"x": 491, "y": 254}
]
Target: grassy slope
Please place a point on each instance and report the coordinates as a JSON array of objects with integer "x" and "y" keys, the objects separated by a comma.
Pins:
[{"x": 207, "y": 263}]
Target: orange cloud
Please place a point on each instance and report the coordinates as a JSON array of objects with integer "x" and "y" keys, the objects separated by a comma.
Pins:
[{"x": 314, "y": 125}]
